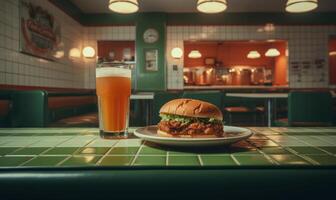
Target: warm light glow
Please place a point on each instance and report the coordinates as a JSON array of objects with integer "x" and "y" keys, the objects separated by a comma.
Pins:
[
  {"x": 89, "y": 52},
  {"x": 176, "y": 53},
  {"x": 59, "y": 54},
  {"x": 195, "y": 54},
  {"x": 74, "y": 53},
  {"x": 272, "y": 52},
  {"x": 253, "y": 55},
  {"x": 332, "y": 53},
  {"x": 124, "y": 6},
  {"x": 211, "y": 6},
  {"x": 297, "y": 6}
]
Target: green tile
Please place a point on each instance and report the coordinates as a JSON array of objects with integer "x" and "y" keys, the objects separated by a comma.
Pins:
[
  {"x": 252, "y": 160},
  {"x": 244, "y": 151},
  {"x": 152, "y": 151},
  {"x": 116, "y": 161},
  {"x": 13, "y": 161},
  {"x": 331, "y": 150},
  {"x": 94, "y": 150},
  {"x": 304, "y": 133},
  {"x": 124, "y": 150},
  {"x": 81, "y": 160},
  {"x": 274, "y": 150},
  {"x": 7, "y": 150},
  {"x": 182, "y": 153},
  {"x": 151, "y": 160},
  {"x": 218, "y": 160},
  {"x": 45, "y": 161},
  {"x": 61, "y": 151},
  {"x": 307, "y": 150},
  {"x": 289, "y": 160},
  {"x": 30, "y": 151},
  {"x": 183, "y": 161},
  {"x": 324, "y": 159}
]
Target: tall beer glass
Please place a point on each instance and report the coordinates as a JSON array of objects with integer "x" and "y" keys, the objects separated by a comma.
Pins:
[{"x": 113, "y": 86}]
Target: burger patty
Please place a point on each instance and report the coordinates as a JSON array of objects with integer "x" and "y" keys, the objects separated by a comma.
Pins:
[{"x": 178, "y": 128}]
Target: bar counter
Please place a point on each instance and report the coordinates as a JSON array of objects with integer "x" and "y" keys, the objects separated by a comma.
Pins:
[{"x": 282, "y": 161}]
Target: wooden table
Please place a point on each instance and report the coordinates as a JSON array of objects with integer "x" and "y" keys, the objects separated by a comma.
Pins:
[{"x": 269, "y": 97}]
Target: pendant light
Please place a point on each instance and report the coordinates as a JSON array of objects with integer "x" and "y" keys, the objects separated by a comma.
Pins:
[
  {"x": 124, "y": 6},
  {"x": 211, "y": 6},
  {"x": 253, "y": 55},
  {"x": 195, "y": 54},
  {"x": 298, "y": 6},
  {"x": 272, "y": 52}
]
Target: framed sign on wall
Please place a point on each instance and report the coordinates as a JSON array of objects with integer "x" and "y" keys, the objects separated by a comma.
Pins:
[
  {"x": 40, "y": 34},
  {"x": 151, "y": 60}
]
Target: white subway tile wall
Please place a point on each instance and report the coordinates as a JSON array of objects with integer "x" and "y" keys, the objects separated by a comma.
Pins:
[
  {"x": 20, "y": 69},
  {"x": 94, "y": 34},
  {"x": 305, "y": 44}
]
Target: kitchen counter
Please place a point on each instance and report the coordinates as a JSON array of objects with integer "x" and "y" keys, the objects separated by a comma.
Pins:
[
  {"x": 213, "y": 87},
  {"x": 72, "y": 163}
]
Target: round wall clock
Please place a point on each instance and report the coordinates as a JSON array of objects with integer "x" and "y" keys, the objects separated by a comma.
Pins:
[{"x": 151, "y": 35}]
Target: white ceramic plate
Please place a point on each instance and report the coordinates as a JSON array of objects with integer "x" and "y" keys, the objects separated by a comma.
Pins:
[{"x": 232, "y": 135}]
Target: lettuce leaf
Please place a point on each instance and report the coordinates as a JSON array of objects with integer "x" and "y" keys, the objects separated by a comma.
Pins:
[{"x": 186, "y": 120}]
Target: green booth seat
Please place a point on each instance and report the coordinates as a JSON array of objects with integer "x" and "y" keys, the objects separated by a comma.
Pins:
[
  {"x": 160, "y": 98},
  {"x": 214, "y": 97},
  {"x": 5, "y": 107},
  {"x": 308, "y": 109}
]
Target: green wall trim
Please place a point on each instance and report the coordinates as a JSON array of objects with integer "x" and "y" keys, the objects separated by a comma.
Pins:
[{"x": 148, "y": 80}]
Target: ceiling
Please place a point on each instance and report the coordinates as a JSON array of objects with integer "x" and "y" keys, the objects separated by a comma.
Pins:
[{"x": 100, "y": 6}]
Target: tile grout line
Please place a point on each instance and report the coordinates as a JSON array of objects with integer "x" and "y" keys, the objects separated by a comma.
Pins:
[
  {"x": 200, "y": 160},
  {"x": 311, "y": 161},
  {"x": 106, "y": 154},
  {"x": 137, "y": 154},
  {"x": 264, "y": 154},
  {"x": 167, "y": 158},
  {"x": 63, "y": 161},
  {"x": 235, "y": 160},
  {"x": 34, "y": 156}
]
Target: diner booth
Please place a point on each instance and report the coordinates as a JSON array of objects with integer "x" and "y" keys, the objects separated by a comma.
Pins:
[{"x": 190, "y": 99}]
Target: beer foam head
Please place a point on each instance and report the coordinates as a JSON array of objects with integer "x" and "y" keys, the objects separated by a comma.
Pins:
[{"x": 113, "y": 72}]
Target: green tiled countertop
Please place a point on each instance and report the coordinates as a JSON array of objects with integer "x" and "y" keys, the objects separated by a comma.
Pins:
[{"x": 73, "y": 147}]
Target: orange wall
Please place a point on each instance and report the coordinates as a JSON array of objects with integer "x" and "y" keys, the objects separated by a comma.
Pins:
[
  {"x": 105, "y": 47},
  {"x": 280, "y": 66},
  {"x": 230, "y": 54},
  {"x": 332, "y": 62}
]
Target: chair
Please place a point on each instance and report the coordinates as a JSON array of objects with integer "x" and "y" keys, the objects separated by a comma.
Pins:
[
  {"x": 308, "y": 109},
  {"x": 242, "y": 107},
  {"x": 161, "y": 98}
]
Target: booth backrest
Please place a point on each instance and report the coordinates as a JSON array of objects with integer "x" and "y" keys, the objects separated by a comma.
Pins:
[
  {"x": 5, "y": 108},
  {"x": 39, "y": 108},
  {"x": 306, "y": 108}
]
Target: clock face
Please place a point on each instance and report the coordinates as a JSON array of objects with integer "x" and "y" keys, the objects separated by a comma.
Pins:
[{"x": 151, "y": 35}]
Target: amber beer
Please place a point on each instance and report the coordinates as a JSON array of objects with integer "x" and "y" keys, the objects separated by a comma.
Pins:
[{"x": 113, "y": 85}]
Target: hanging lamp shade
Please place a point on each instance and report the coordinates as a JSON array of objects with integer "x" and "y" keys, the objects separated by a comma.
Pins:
[
  {"x": 124, "y": 6},
  {"x": 298, "y": 6},
  {"x": 195, "y": 54},
  {"x": 272, "y": 52},
  {"x": 253, "y": 55},
  {"x": 211, "y": 6}
]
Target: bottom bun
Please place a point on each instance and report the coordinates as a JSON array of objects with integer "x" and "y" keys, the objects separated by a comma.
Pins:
[{"x": 165, "y": 134}]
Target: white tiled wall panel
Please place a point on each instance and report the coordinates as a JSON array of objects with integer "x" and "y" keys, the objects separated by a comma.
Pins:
[
  {"x": 20, "y": 69},
  {"x": 94, "y": 34},
  {"x": 305, "y": 43}
]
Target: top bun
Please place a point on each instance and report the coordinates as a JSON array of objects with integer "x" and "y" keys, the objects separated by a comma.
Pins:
[{"x": 191, "y": 108}]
